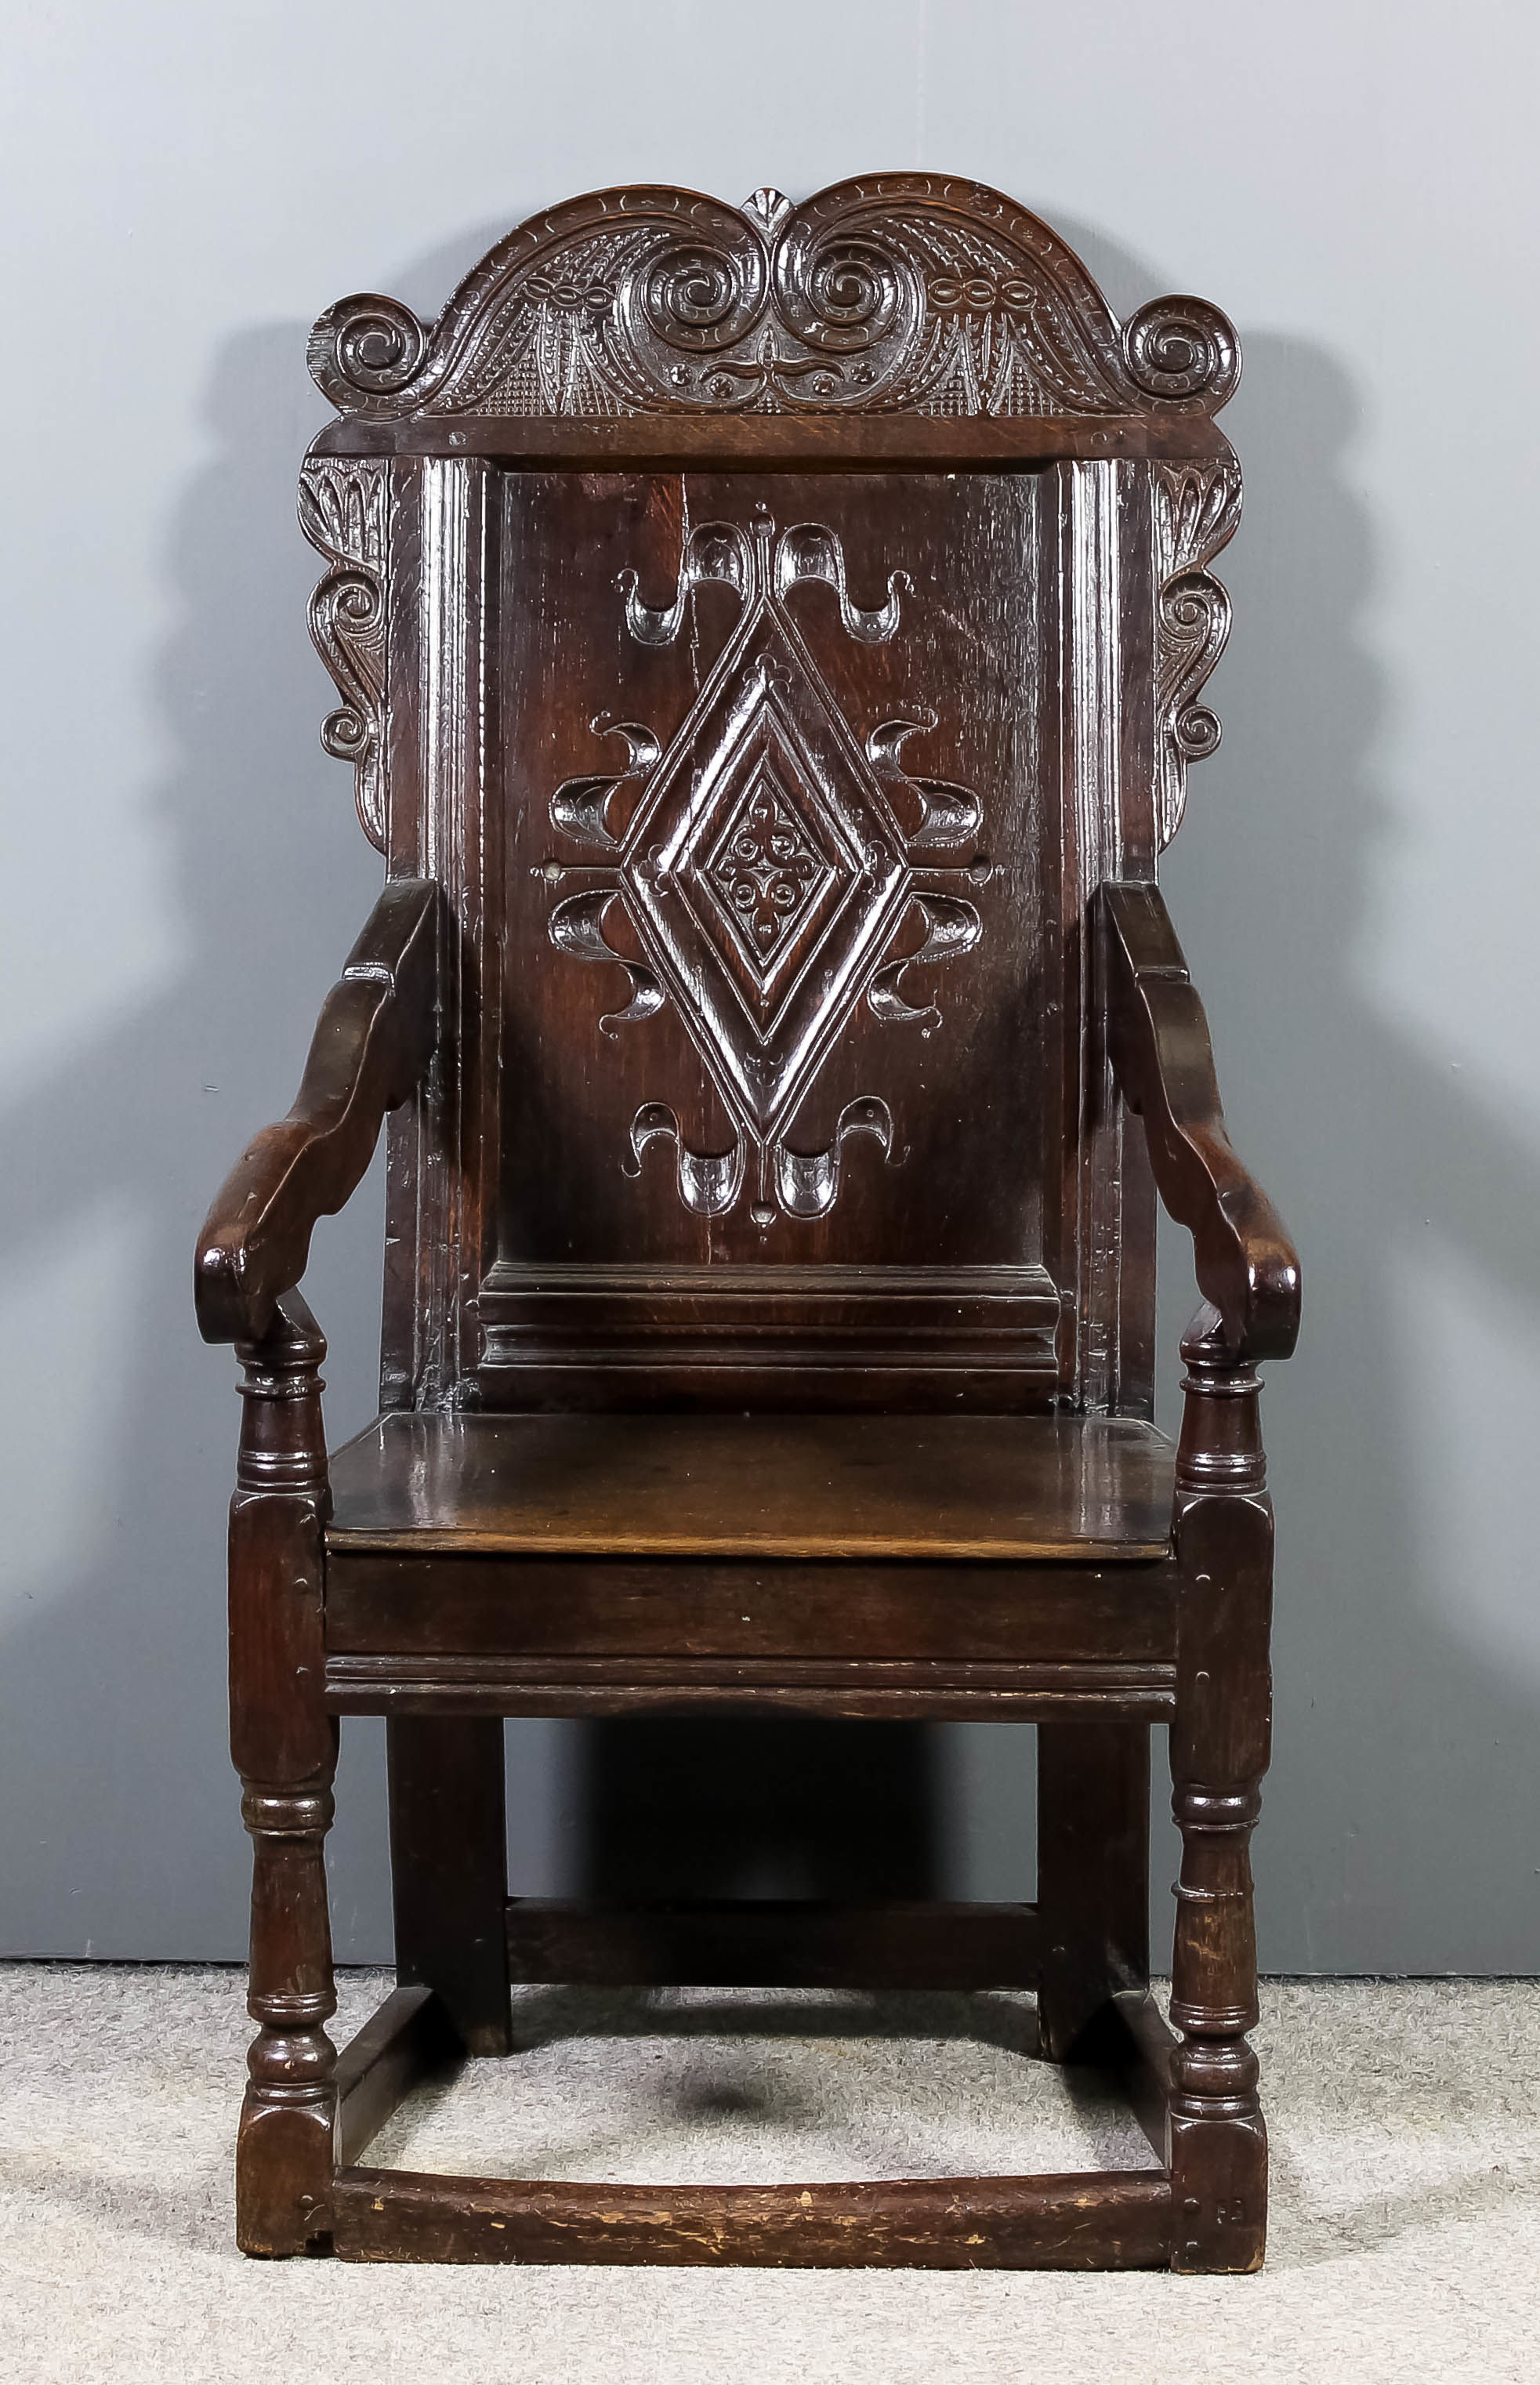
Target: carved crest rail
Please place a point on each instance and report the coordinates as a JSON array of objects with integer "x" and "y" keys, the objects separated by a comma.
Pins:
[{"x": 895, "y": 293}]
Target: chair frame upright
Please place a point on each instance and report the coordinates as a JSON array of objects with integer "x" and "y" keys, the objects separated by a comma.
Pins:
[{"x": 898, "y": 323}]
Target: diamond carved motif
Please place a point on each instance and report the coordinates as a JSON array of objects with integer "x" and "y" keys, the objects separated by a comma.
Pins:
[{"x": 767, "y": 871}]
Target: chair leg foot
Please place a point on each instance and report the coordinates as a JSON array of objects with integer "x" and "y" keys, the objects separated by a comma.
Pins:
[
  {"x": 1219, "y": 2196},
  {"x": 282, "y": 2178}
]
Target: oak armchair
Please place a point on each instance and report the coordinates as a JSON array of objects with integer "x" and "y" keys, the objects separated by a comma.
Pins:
[{"x": 774, "y": 1136}]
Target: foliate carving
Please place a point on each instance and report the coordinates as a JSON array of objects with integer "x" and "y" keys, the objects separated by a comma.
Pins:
[
  {"x": 902, "y": 293},
  {"x": 1196, "y": 509},
  {"x": 766, "y": 874},
  {"x": 344, "y": 511},
  {"x": 769, "y": 208}
]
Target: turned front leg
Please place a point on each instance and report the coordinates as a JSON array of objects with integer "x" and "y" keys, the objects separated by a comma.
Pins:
[
  {"x": 1220, "y": 1747},
  {"x": 284, "y": 1746},
  {"x": 284, "y": 2152}
]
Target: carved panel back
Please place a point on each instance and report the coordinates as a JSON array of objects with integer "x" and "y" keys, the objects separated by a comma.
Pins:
[
  {"x": 771, "y": 626},
  {"x": 790, "y": 1038}
]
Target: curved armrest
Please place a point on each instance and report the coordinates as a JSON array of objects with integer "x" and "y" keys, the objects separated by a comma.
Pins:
[
  {"x": 372, "y": 1044},
  {"x": 1159, "y": 1040}
]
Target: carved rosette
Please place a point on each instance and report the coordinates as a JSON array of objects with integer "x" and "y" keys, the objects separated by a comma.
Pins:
[
  {"x": 895, "y": 293},
  {"x": 344, "y": 512},
  {"x": 1197, "y": 508},
  {"x": 766, "y": 874}
]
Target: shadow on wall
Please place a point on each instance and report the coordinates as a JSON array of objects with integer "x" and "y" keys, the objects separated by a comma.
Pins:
[
  {"x": 122, "y": 1832},
  {"x": 1395, "y": 1834},
  {"x": 122, "y": 1835},
  {"x": 1396, "y": 1831}
]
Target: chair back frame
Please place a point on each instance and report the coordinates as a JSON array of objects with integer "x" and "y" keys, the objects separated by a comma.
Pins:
[{"x": 735, "y": 406}]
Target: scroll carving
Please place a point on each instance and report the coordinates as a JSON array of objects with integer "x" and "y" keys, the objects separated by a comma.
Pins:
[
  {"x": 898, "y": 292},
  {"x": 766, "y": 873},
  {"x": 1182, "y": 347},
  {"x": 344, "y": 512},
  {"x": 1195, "y": 511}
]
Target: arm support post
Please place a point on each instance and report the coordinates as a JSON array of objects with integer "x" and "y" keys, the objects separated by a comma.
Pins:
[
  {"x": 1159, "y": 1040},
  {"x": 1221, "y": 1736},
  {"x": 372, "y": 1042},
  {"x": 284, "y": 1745}
]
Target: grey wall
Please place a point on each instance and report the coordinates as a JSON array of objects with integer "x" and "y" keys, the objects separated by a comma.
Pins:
[{"x": 184, "y": 189}]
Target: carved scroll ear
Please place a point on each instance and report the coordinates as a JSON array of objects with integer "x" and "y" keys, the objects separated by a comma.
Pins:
[
  {"x": 364, "y": 351},
  {"x": 809, "y": 551},
  {"x": 1177, "y": 348},
  {"x": 807, "y": 1183},
  {"x": 709, "y": 1181},
  {"x": 949, "y": 814},
  {"x": 714, "y": 551}
]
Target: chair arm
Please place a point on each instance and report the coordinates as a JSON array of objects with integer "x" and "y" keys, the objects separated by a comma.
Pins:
[
  {"x": 372, "y": 1044},
  {"x": 1157, "y": 1038}
]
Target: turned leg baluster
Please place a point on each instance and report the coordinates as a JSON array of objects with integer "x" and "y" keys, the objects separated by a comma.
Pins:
[
  {"x": 1220, "y": 1747},
  {"x": 284, "y": 1746}
]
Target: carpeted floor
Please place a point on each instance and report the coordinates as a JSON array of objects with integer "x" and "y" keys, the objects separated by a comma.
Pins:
[{"x": 1405, "y": 2219}]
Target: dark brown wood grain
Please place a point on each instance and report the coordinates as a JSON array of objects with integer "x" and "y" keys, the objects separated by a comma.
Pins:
[
  {"x": 284, "y": 1745},
  {"x": 771, "y": 1487},
  {"x": 1221, "y": 1744},
  {"x": 1158, "y": 1036},
  {"x": 571, "y": 1334},
  {"x": 770, "y": 645},
  {"x": 934, "y": 1269},
  {"x": 1092, "y": 1875},
  {"x": 372, "y": 1044},
  {"x": 774, "y": 1943},
  {"x": 1091, "y": 2221},
  {"x": 396, "y": 1604},
  {"x": 449, "y": 1869},
  {"x": 867, "y": 1687},
  {"x": 893, "y": 293},
  {"x": 673, "y": 442}
]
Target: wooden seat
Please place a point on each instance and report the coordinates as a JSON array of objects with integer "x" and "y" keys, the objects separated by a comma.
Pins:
[
  {"x": 1054, "y": 1489},
  {"x": 770, "y": 646},
  {"x": 843, "y": 1564}
]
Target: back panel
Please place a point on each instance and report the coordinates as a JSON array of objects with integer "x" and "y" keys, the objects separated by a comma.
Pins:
[
  {"x": 789, "y": 996},
  {"x": 769, "y": 627}
]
